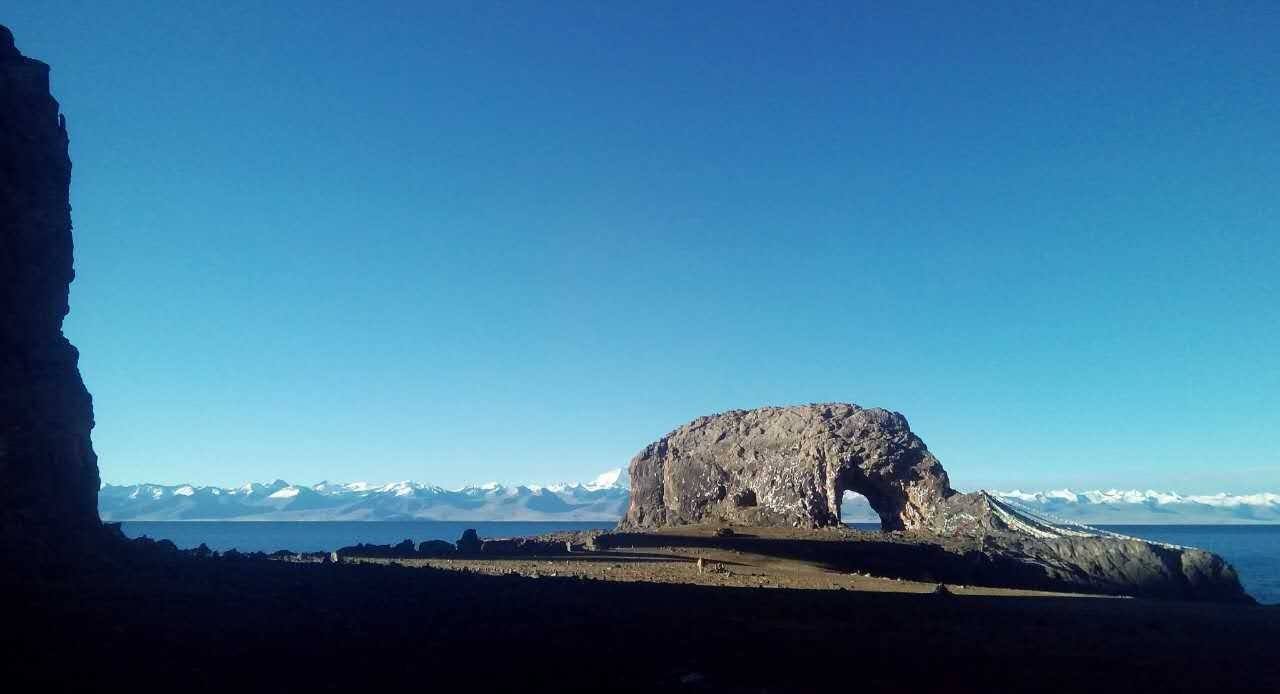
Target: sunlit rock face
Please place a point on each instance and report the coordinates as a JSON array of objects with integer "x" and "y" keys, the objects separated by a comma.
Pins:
[
  {"x": 790, "y": 466},
  {"x": 48, "y": 471},
  {"x": 787, "y": 466}
]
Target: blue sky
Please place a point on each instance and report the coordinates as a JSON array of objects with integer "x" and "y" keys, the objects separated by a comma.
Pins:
[{"x": 519, "y": 241}]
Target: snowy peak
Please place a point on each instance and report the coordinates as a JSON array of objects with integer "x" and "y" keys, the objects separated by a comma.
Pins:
[
  {"x": 616, "y": 478},
  {"x": 405, "y": 488}
]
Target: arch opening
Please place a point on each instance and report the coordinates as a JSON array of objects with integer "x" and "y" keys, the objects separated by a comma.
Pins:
[{"x": 860, "y": 504}]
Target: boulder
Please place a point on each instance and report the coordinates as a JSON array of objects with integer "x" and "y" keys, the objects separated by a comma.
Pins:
[
  {"x": 504, "y": 546},
  {"x": 405, "y": 548},
  {"x": 376, "y": 551},
  {"x": 435, "y": 548},
  {"x": 469, "y": 543}
]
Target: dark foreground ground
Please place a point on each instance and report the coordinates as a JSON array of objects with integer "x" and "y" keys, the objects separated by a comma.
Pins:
[{"x": 158, "y": 621}]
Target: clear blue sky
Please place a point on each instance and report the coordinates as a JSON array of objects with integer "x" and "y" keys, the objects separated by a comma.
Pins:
[{"x": 519, "y": 241}]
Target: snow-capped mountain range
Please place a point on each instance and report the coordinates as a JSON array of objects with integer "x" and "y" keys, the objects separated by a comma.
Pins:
[
  {"x": 603, "y": 499},
  {"x": 1116, "y": 506}
]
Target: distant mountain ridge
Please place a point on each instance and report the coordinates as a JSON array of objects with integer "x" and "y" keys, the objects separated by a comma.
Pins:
[
  {"x": 603, "y": 499},
  {"x": 1116, "y": 506}
]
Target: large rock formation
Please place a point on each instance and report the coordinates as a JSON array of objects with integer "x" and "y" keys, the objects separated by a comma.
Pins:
[
  {"x": 48, "y": 471},
  {"x": 790, "y": 466},
  {"x": 1059, "y": 556},
  {"x": 787, "y": 466}
]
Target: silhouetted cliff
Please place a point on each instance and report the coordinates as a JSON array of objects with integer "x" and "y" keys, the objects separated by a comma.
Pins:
[{"x": 48, "y": 470}]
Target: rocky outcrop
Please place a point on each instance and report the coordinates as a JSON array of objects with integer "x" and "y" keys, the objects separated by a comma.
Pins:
[
  {"x": 435, "y": 548},
  {"x": 787, "y": 466},
  {"x": 1119, "y": 566},
  {"x": 790, "y": 466},
  {"x": 470, "y": 542},
  {"x": 48, "y": 470},
  {"x": 1065, "y": 557}
]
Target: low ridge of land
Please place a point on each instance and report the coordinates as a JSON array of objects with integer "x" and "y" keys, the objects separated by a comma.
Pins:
[{"x": 710, "y": 555}]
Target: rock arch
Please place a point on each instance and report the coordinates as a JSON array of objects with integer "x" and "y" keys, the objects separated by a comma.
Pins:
[{"x": 787, "y": 466}]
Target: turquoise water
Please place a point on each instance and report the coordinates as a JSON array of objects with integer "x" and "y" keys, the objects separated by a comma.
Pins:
[{"x": 1254, "y": 550}]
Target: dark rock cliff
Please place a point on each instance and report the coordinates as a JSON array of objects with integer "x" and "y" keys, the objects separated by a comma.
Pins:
[
  {"x": 48, "y": 470},
  {"x": 1065, "y": 557}
]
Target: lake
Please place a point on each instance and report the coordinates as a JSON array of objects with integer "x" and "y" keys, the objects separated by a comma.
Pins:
[{"x": 1254, "y": 550}]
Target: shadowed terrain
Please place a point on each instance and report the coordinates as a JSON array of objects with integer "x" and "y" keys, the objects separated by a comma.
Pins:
[
  {"x": 156, "y": 617},
  {"x": 89, "y": 610}
]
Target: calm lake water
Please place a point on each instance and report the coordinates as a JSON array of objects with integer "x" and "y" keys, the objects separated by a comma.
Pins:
[{"x": 1254, "y": 550}]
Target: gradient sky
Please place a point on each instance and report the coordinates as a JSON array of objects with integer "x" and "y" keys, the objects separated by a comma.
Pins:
[{"x": 518, "y": 241}]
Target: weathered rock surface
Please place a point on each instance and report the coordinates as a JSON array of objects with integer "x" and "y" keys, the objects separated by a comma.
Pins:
[
  {"x": 787, "y": 466},
  {"x": 1083, "y": 560},
  {"x": 790, "y": 467},
  {"x": 48, "y": 470}
]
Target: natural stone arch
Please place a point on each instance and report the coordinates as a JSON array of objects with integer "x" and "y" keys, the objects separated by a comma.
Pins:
[
  {"x": 787, "y": 466},
  {"x": 852, "y": 479}
]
